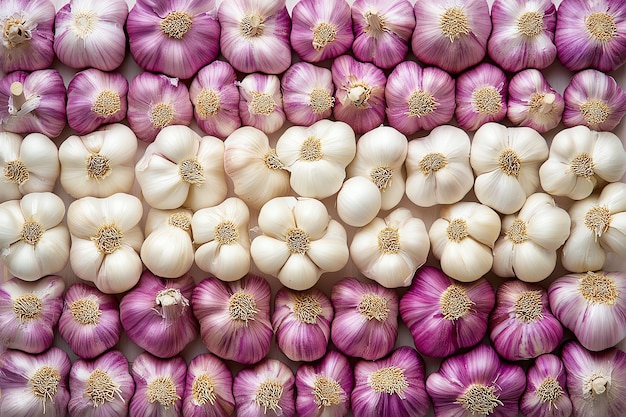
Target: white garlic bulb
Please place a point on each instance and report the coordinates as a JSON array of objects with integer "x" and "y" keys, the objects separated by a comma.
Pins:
[{"x": 358, "y": 201}]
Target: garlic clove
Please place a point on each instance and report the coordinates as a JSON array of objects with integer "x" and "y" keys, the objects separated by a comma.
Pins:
[
  {"x": 233, "y": 264},
  {"x": 609, "y": 157},
  {"x": 277, "y": 216},
  {"x": 468, "y": 258},
  {"x": 615, "y": 238},
  {"x": 582, "y": 241},
  {"x": 505, "y": 202},
  {"x": 311, "y": 218},
  {"x": 269, "y": 254},
  {"x": 358, "y": 201},
  {"x": 330, "y": 252},
  {"x": 298, "y": 273},
  {"x": 84, "y": 260}
]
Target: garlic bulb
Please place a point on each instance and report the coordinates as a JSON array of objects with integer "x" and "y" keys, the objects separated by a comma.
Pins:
[
  {"x": 307, "y": 93},
  {"x": 536, "y": 232},
  {"x": 182, "y": 169},
  {"x": 546, "y": 392},
  {"x": 463, "y": 237},
  {"x": 317, "y": 156},
  {"x": 480, "y": 96},
  {"x": 253, "y": 167},
  {"x": 167, "y": 250},
  {"x": 261, "y": 102},
  {"x": 100, "y": 163},
  {"x": 33, "y": 240},
  {"x": 506, "y": 164},
  {"x": 438, "y": 167},
  {"x": 221, "y": 236},
  {"x": 299, "y": 242},
  {"x": 358, "y": 201},
  {"x": 29, "y": 164},
  {"x": 106, "y": 240},
  {"x": 390, "y": 250},
  {"x": 208, "y": 388}
]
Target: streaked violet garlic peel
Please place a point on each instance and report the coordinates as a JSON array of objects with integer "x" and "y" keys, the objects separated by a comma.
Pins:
[
  {"x": 481, "y": 94},
  {"x": 546, "y": 391},
  {"x": 34, "y": 385},
  {"x": 208, "y": 388},
  {"x": 176, "y": 37},
  {"x": 28, "y": 36},
  {"x": 90, "y": 322},
  {"x": 157, "y": 316},
  {"x": 29, "y": 312},
  {"x": 324, "y": 387},
  {"x": 366, "y": 318},
  {"x": 234, "y": 317},
  {"x": 476, "y": 383},
  {"x": 392, "y": 386},
  {"x": 261, "y": 102},
  {"x": 443, "y": 315},
  {"x": 308, "y": 93},
  {"x": 104, "y": 384},
  {"x": 266, "y": 389}
]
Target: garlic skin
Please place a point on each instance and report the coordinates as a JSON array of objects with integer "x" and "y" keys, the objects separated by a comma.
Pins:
[
  {"x": 167, "y": 250},
  {"x": 481, "y": 94},
  {"x": 222, "y": 239},
  {"x": 90, "y": 33},
  {"x": 546, "y": 392},
  {"x": 536, "y": 232},
  {"x": 29, "y": 312},
  {"x": 100, "y": 163},
  {"x": 208, "y": 388},
  {"x": 307, "y": 92},
  {"x": 317, "y": 157},
  {"x": 253, "y": 167},
  {"x": 261, "y": 102},
  {"x": 438, "y": 167},
  {"x": 33, "y": 240},
  {"x": 180, "y": 168},
  {"x": 382, "y": 30},
  {"x": 358, "y": 201},
  {"x": 506, "y": 165},
  {"x": 463, "y": 237},
  {"x": 29, "y": 165},
  {"x": 299, "y": 242},
  {"x": 106, "y": 240},
  {"x": 390, "y": 250}
]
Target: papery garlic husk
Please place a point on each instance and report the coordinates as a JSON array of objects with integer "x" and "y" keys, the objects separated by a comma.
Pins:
[
  {"x": 523, "y": 34},
  {"x": 299, "y": 242},
  {"x": 594, "y": 99},
  {"x": 307, "y": 93},
  {"x": 390, "y": 250},
  {"x": 598, "y": 228},
  {"x": 589, "y": 34},
  {"x": 366, "y": 318},
  {"x": 506, "y": 163},
  {"x": 156, "y": 101},
  {"x": 33, "y": 240},
  {"x": 90, "y": 33},
  {"x": 599, "y": 297},
  {"x": 443, "y": 315},
  {"x": 156, "y": 314},
  {"x": 253, "y": 167},
  {"x": 535, "y": 233},
  {"x": 382, "y": 30},
  {"x": 208, "y": 388},
  {"x": 106, "y": 240},
  {"x": 234, "y": 317},
  {"x": 321, "y": 29},
  {"x": 102, "y": 386},
  {"x": 34, "y": 385},
  {"x": 451, "y": 34},
  {"x": 532, "y": 102},
  {"x": 546, "y": 393},
  {"x": 29, "y": 312},
  {"x": 358, "y": 201},
  {"x": 261, "y": 102},
  {"x": 33, "y": 102},
  {"x": 438, "y": 167},
  {"x": 222, "y": 239},
  {"x": 359, "y": 93},
  {"x": 90, "y": 322},
  {"x": 176, "y": 37},
  {"x": 380, "y": 155},
  {"x": 418, "y": 98},
  {"x": 27, "y": 35},
  {"x": 267, "y": 389},
  {"x": 215, "y": 99},
  {"x": 159, "y": 386},
  {"x": 480, "y": 96},
  {"x": 476, "y": 383},
  {"x": 95, "y": 98},
  {"x": 594, "y": 380},
  {"x": 100, "y": 163},
  {"x": 463, "y": 237},
  {"x": 317, "y": 156},
  {"x": 255, "y": 35},
  {"x": 182, "y": 169},
  {"x": 167, "y": 250},
  {"x": 29, "y": 164},
  {"x": 301, "y": 321}
]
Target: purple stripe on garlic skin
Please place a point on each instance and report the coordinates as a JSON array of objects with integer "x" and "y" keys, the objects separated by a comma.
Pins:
[
  {"x": 261, "y": 102},
  {"x": 546, "y": 394},
  {"x": 307, "y": 93},
  {"x": 481, "y": 94},
  {"x": 208, "y": 388}
]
